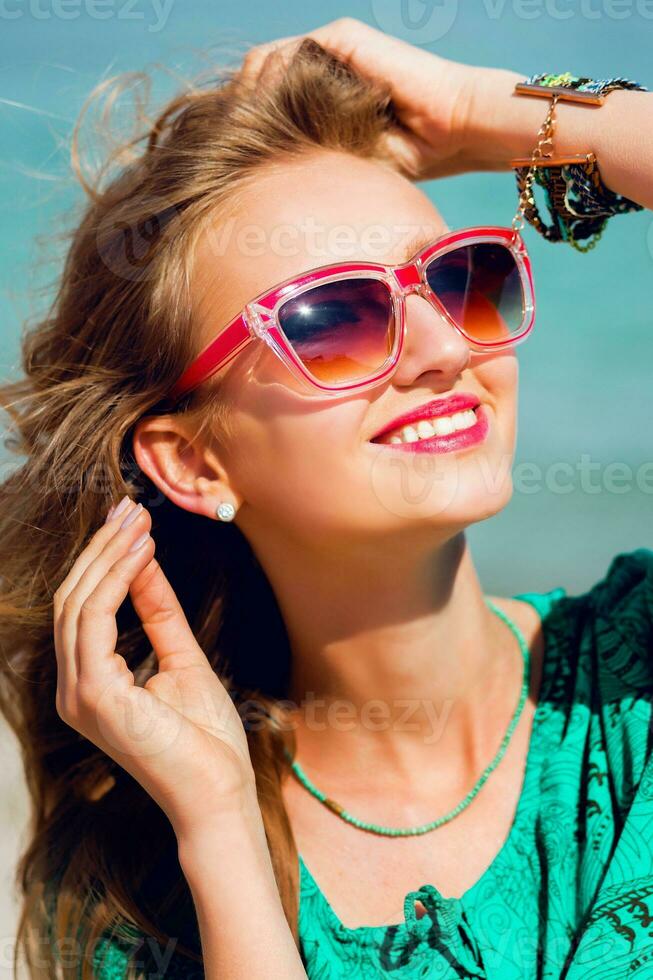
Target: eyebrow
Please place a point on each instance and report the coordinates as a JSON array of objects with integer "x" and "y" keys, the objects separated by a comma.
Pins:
[{"x": 418, "y": 242}]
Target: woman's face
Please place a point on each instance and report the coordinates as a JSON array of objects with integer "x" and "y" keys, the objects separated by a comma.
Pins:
[{"x": 309, "y": 463}]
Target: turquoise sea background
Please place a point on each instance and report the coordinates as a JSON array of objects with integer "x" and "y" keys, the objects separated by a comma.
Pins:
[{"x": 586, "y": 402}]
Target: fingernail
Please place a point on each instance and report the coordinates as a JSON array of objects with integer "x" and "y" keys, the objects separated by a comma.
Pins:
[
  {"x": 118, "y": 509},
  {"x": 131, "y": 516},
  {"x": 139, "y": 542}
]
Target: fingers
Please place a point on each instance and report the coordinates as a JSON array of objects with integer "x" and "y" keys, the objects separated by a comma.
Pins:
[
  {"x": 259, "y": 68},
  {"x": 94, "y": 546},
  {"x": 107, "y": 556},
  {"x": 339, "y": 36},
  {"x": 342, "y": 36},
  {"x": 100, "y": 593},
  {"x": 378, "y": 56},
  {"x": 164, "y": 621},
  {"x": 375, "y": 55},
  {"x": 86, "y": 603}
]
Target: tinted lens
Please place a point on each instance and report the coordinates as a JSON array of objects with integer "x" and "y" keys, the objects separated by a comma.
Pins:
[
  {"x": 341, "y": 331},
  {"x": 480, "y": 287}
]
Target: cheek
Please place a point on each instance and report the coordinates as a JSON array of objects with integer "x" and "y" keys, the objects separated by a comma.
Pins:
[
  {"x": 290, "y": 460},
  {"x": 499, "y": 377},
  {"x": 303, "y": 479},
  {"x": 299, "y": 462},
  {"x": 498, "y": 373}
]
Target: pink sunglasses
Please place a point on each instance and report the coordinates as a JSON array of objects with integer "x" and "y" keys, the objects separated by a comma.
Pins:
[{"x": 340, "y": 327}]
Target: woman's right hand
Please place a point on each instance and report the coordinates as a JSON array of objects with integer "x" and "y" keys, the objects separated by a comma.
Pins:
[
  {"x": 434, "y": 97},
  {"x": 179, "y": 735}
]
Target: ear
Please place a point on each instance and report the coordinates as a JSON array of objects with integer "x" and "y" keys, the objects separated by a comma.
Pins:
[{"x": 181, "y": 465}]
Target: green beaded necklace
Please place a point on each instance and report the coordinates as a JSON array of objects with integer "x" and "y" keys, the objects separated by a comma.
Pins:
[{"x": 425, "y": 828}]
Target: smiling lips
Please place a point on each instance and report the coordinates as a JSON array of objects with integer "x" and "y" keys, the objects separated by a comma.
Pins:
[{"x": 442, "y": 425}]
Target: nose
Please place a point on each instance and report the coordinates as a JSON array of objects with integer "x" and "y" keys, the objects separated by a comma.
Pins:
[{"x": 431, "y": 344}]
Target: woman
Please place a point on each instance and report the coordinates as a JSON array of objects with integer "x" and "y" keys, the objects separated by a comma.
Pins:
[{"x": 312, "y": 597}]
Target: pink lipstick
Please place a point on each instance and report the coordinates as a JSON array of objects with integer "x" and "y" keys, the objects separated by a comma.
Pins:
[{"x": 438, "y": 443}]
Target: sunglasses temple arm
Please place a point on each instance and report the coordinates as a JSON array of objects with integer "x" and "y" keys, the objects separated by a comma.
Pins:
[{"x": 231, "y": 341}]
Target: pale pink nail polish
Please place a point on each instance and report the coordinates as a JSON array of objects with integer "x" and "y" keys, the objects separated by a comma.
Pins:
[
  {"x": 118, "y": 509},
  {"x": 131, "y": 516},
  {"x": 139, "y": 542}
]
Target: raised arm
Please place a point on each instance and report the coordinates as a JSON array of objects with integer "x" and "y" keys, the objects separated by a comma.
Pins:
[
  {"x": 501, "y": 126},
  {"x": 458, "y": 118}
]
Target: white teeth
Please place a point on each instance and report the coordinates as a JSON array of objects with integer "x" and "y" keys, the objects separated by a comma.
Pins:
[
  {"x": 409, "y": 434},
  {"x": 444, "y": 425},
  {"x": 424, "y": 429},
  {"x": 441, "y": 426}
]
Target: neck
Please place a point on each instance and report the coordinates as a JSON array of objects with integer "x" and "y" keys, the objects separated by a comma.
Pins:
[{"x": 397, "y": 660}]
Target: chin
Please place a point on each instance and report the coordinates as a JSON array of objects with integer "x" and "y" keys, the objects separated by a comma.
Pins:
[
  {"x": 475, "y": 502},
  {"x": 466, "y": 489},
  {"x": 486, "y": 503},
  {"x": 486, "y": 484}
]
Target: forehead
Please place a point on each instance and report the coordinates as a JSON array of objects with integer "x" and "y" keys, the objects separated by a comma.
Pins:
[{"x": 326, "y": 207}]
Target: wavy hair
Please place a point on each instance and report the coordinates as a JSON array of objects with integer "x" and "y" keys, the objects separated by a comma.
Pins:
[{"x": 101, "y": 858}]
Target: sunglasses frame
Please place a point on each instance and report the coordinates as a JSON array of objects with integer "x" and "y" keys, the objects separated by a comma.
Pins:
[{"x": 259, "y": 318}]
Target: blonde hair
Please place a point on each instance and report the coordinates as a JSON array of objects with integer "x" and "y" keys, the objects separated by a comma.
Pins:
[{"x": 116, "y": 336}]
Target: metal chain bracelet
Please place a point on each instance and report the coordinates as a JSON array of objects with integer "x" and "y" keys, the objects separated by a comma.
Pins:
[
  {"x": 526, "y": 198},
  {"x": 578, "y": 202}
]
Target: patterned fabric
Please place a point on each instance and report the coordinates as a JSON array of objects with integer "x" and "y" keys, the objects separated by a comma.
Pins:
[
  {"x": 578, "y": 201},
  {"x": 581, "y": 83},
  {"x": 570, "y": 893}
]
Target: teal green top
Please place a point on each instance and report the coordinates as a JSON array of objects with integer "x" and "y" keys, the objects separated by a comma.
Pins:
[{"x": 570, "y": 893}]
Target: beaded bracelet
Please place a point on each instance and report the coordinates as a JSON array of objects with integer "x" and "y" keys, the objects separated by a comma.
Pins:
[{"x": 578, "y": 202}]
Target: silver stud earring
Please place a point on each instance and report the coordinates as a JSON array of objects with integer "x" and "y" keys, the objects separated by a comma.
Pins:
[{"x": 225, "y": 511}]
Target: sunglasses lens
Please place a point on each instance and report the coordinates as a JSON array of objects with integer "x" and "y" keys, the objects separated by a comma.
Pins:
[
  {"x": 341, "y": 331},
  {"x": 480, "y": 287}
]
